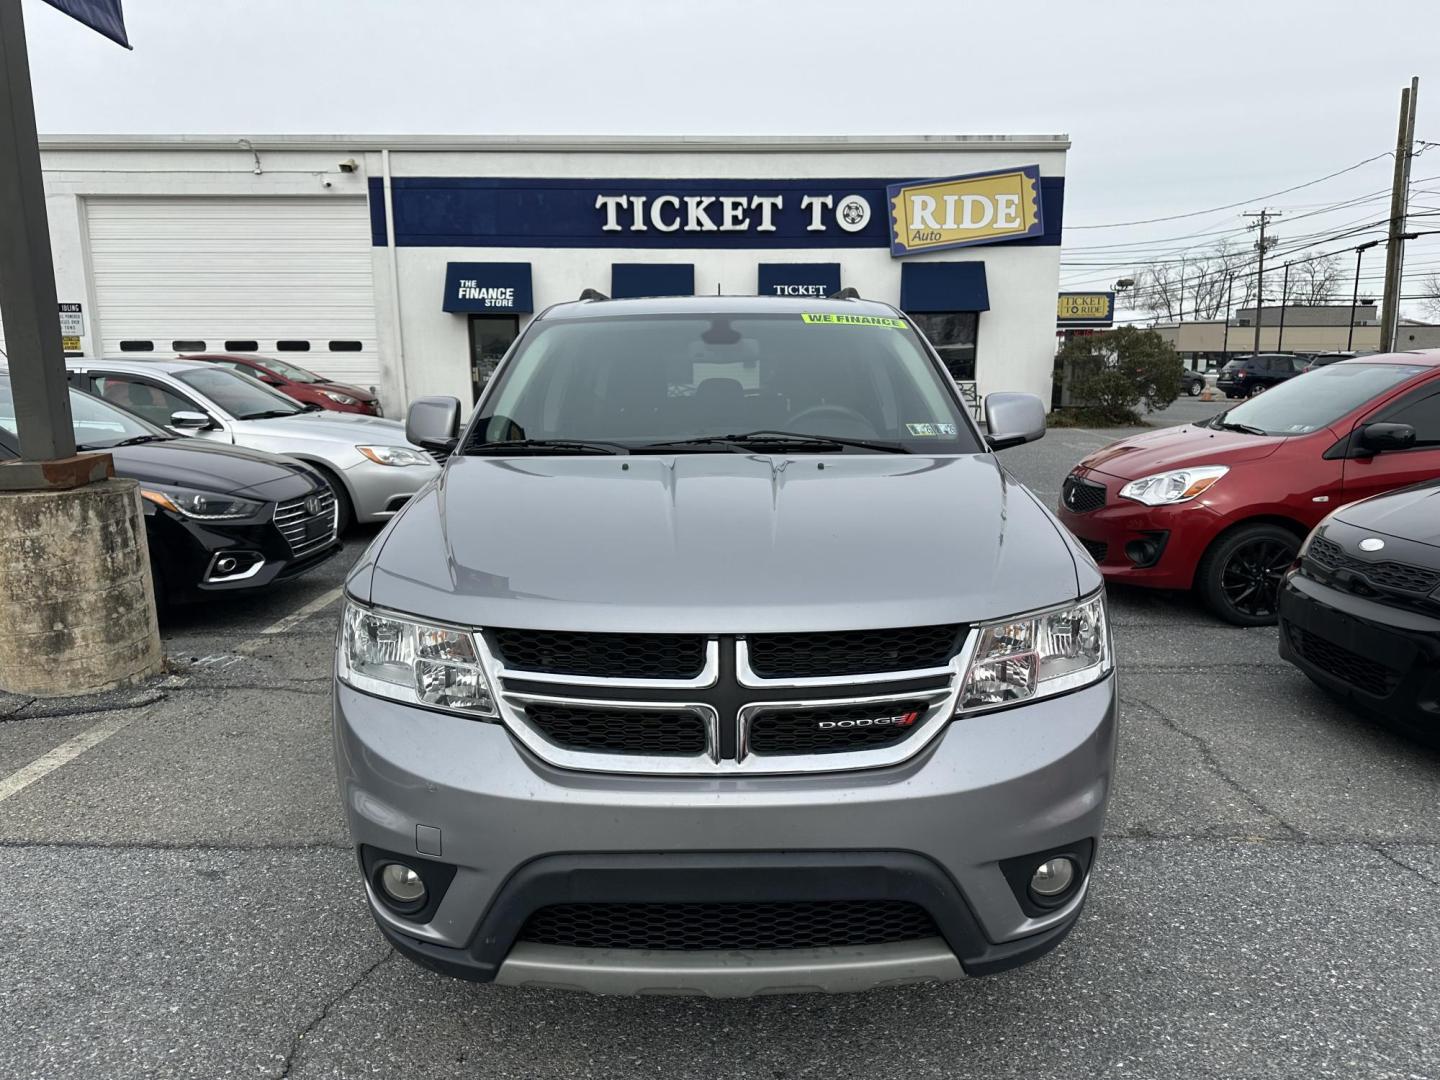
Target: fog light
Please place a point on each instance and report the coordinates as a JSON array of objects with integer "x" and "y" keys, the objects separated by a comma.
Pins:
[
  {"x": 402, "y": 884},
  {"x": 1052, "y": 878}
]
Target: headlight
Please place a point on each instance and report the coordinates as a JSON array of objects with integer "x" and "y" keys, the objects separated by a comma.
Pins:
[
  {"x": 1037, "y": 655},
  {"x": 1178, "y": 486},
  {"x": 395, "y": 455},
  {"x": 201, "y": 505},
  {"x": 412, "y": 661},
  {"x": 340, "y": 399}
]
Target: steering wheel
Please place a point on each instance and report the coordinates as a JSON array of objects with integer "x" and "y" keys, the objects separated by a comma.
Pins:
[{"x": 857, "y": 420}]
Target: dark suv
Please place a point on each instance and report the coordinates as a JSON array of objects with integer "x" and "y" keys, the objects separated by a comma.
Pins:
[{"x": 1246, "y": 376}]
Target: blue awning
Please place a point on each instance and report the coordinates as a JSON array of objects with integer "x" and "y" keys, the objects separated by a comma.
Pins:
[
  {"x": 816, "y": 280},
  {"x": 498, "y": 288},
  {"x": 943, "y": 286},
  {"x": 652, "y": 279},
  {"x": 104, "y": 16}
]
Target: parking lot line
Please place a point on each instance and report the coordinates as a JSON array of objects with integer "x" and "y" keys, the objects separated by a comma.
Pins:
[
  {"x": 66, "y": 752},
  {"x": 295, "y": 618}
]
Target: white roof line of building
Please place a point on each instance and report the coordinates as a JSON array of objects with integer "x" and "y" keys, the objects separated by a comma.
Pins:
[{"x": 641, "y": 144}]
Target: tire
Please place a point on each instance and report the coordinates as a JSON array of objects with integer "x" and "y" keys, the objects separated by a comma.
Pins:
[
  {"x": 1239, "y": 576},
  {"x": 1257, "y": 390},
  {"x": 345, "y": 515},
  {"x": 1195, "y": 389}
]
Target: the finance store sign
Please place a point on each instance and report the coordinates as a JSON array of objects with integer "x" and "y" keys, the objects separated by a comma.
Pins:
[{"x": 1013, "y": 205}]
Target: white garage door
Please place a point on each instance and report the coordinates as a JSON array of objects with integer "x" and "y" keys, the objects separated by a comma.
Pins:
[{"x": 283, "y": 277}]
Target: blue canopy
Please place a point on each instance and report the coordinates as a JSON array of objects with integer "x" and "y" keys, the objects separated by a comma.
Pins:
[{"x": 103, "y": 16}]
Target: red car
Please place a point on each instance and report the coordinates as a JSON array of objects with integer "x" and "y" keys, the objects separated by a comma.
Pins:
[
  {"x": 1222, "y": 505},
  {"x": 298, "y": 383}
]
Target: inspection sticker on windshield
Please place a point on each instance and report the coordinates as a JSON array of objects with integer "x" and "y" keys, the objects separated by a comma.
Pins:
[
  {"x": 856, "y": 320},
  {"x": 930, "y": 430}
]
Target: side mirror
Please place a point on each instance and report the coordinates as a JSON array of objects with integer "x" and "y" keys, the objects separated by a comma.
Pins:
[
  {"x": 190, "y": 421},
  {"x": 1377, "y": 438},
  {"x": 434, "y": 423},
  {"x": 1012, "y": 419}
]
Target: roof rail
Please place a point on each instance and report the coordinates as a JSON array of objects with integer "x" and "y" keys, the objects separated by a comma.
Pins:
[
  {"x": 592, "y": 294},
  {"x": 847, "y": 293}
]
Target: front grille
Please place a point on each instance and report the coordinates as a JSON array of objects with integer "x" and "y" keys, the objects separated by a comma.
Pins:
[
  {"x": 1082, "y": 496},
  {"x": 851, "y": 652},
  {"x": 1387, "y": 576},
  {"x": 833, "y": 729},
  {"x": 606, "y": 656},
  {"x": 307, "y": 524},
  {"x": 610, "y": 730},
  {"x": 1336, "y": 660},
  {"x": 710, "y": 926},
  {"x": 1098, "y": 549}
]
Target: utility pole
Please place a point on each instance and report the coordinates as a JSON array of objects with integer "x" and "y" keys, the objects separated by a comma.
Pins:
[
  {"x": 1264, "y": 217},
  {"x": 1284, "y": 302},
  {"x": 1399, "y": 209},
  {"x": 1229, "y": 297},
  {"x": 1355, "y": 295}
]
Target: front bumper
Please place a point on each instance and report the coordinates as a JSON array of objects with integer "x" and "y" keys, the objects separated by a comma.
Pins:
[
  {"x": 936, "y": 828},
  {"x": 185, "y": 552},
  {"x": 377, "y": 492},
  {"x": 1181, "y": 533},
  {"x": 1382, "y": 658}
]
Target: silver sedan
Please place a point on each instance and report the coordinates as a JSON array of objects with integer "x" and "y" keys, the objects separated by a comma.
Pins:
[{"x": 367, "y": 460}]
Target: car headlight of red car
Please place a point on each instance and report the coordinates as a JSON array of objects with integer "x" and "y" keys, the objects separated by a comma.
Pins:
[{"x": 1176, "y": 486}]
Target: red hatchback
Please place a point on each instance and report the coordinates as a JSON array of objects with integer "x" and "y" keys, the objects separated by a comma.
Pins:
[
  {"x": 1222, "y": 505},
  {"x": 298, "y": 383}
]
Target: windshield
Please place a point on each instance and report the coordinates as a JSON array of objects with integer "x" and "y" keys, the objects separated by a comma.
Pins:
[
  {"x": 290, "y": 371},
  {"x": 647, "y": 382},
  {"x": 239, "y": 395},
  {"x": 97, "y": 423},
  {"x": 1317, "y": 399}
]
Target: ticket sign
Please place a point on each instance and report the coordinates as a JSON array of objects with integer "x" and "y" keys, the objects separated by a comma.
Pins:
[
  {"x": 962, "y": 211},
  {"x": 1085, "y": 309}
]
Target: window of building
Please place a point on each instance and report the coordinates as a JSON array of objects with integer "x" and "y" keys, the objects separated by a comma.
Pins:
[
  {"x": 345, "y": 346},
  {"x": 136, "y": 345},
  {"x": 292, "y": 346},
  {"x": 186, "y": 345},
  {"x": 242, "y": 346},
  {"x": 953, "y": 334}
]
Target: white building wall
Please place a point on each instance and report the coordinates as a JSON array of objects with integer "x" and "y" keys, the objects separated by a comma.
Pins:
[{"x": 1015, "y": 345}]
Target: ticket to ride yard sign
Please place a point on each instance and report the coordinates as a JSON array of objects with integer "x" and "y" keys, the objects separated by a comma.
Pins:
[{"x": 962, "y": 211}]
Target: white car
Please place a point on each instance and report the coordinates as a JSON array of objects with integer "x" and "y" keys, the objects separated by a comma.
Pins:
[{"x": 372, "y": 468}]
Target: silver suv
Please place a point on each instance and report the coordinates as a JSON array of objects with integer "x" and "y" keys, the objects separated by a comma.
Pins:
[{"x": 724, "y": 657}]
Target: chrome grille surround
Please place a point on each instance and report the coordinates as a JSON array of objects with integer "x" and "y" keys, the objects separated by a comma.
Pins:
[
  {"x": 939, "y": 693},
  {"x": 293, "y": 519}
]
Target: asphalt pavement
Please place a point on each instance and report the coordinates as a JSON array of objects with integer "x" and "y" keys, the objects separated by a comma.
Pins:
[{"x": 178, "y": 897}]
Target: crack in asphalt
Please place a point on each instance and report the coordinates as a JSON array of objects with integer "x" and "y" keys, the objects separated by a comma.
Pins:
[
  {"x": 1380, "y": 850},
  {"x": 1212, "y": 761},
  {"x": 324, "y": 1014},
  {"x": 203, "y": 687},
  {"x": 142, "y": 700}
]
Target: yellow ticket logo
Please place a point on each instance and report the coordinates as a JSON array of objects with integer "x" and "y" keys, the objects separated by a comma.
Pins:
[{"x": 981, "y": 208}]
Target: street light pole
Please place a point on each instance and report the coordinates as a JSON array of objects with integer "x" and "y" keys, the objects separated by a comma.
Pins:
[
  {"x": 1229, "y": 297},
  {"x": 1284, "y": 301},
  {"x": 1355, "y": 295}
]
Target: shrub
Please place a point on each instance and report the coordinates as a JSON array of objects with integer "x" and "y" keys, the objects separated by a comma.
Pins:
[{"x": 1113, "y": 373}]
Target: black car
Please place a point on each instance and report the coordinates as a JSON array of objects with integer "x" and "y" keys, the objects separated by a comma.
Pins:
[
  {"x": 1246, "y": 376},
  {"x": 1360, "y": 613},
  {"x": 1325, "y": 359},
  {"x": 1192, "y": 382},
  {"x": 218, "y": 518}
]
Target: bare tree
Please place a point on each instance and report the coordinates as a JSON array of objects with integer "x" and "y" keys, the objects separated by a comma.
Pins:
[
  {"x": 1430, "y": 294},
  {"x": 1197, "y": 286},
  {"x": 1314, "y": 280}
]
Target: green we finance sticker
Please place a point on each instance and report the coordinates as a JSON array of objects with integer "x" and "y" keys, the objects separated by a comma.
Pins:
[{"x": 856, "y": 320}]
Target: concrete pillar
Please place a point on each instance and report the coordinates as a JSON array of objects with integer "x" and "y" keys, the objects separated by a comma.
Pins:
[{"x": 76, "y": 601}]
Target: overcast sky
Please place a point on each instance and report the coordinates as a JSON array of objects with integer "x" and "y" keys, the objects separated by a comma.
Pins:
[{"x": 1173, "y": 107}]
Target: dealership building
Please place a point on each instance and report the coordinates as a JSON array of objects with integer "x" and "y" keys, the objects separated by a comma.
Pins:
[{"x": 410, "y": 263}]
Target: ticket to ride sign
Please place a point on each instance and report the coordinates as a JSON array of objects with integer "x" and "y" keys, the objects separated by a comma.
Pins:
[
  {"x": 961, "y": 211},
  {"x": 1085, "y": 309}
]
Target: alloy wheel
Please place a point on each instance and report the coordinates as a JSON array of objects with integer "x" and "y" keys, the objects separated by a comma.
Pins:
[{"x": 1251, "y": 578}]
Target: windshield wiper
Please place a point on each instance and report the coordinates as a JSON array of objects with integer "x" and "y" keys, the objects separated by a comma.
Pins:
[
  {"x": 1245, "y": 429},
  {"x": 270, "y": 414},
  {"x": 751, "y": 439},
  {"x": 136, "y": 440},
  {"x": 544, "y": 446}
]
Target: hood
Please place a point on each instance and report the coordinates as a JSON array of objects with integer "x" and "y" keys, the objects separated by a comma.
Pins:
[
  {"x": 209, "y": 466},
  {"x": 1177, "y": 448},
  {"x": 340, "y": 427},
  {"x": 1409, "y": 514},
  {"x": 345, "y": 388},
  {"x": 722, "y": 543}
]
